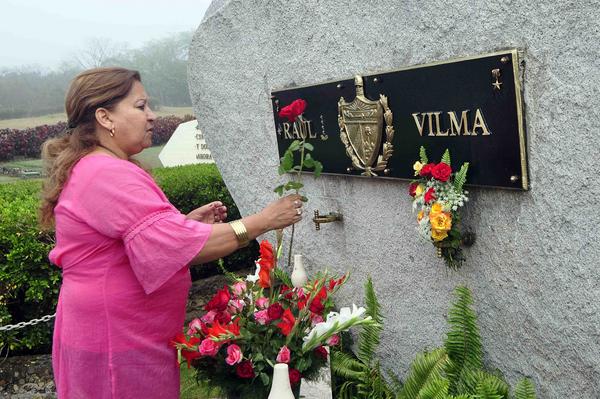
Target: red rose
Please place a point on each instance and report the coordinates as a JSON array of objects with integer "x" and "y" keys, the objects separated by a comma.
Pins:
[
  {"x": 287, "y": 323},
  {"x": 426, "y": 170},
  {"x": 275, "y": 311},
  {"x": 245, "y": 369},
  {"x": 295, "y": 376},
  {"x": 321, "y": 352},
  {"x": 429, "y": 195},
  {"x": 412, "y": 189},
  {"x": 219, "y": 301},
  {"x": 441, "y": 171},
  {"x": 292, "y": 111},
  {"x": 223, "y": 317}
]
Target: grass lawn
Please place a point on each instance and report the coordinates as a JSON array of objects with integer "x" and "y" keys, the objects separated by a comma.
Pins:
[
  {"x": 148, "y": 157},
  {"x": 22, "y": 123},
  {"x": 190, "y": 388}
]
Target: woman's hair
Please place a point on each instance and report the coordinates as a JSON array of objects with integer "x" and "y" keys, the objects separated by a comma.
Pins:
[{"x": 90, "y": 90}]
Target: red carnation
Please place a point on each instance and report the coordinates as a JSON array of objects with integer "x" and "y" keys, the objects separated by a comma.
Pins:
[
  {"x": 295, "y": 376},
  {"x": 245, "y": 369},
  {"x": 441, "y": 171},
  {"x": 426, "y": 170},
  {"x": 219, "y": 301},
  {"x": 292, "y": 111},
  {"x": 321, "y": 352},
  {"x": 275, "y": 311},
  {"x": 412, "y": 189},
  {"x": 429, "y": 195}
]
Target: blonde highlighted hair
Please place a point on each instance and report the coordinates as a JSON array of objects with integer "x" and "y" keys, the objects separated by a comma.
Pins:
[{"x": 90, "y": 90}]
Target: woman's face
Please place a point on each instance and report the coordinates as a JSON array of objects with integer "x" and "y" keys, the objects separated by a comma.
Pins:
[{"x": 133, "y": 121}]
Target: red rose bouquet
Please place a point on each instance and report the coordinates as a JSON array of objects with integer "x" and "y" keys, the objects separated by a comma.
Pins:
[
  {"x": 438, "y": 195},
  {"x": 254, "y": 323}
]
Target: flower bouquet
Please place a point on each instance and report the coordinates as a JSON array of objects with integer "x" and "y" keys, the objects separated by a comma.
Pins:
[
  {"x": 438, "y": 195},
  {"x": 256, "y": 322}
]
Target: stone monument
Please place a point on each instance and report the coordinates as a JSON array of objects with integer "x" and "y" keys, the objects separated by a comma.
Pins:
[{"x": 534, "y": 267}]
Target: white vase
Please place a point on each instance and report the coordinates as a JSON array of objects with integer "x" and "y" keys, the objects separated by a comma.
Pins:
[
  {"x": 281, "y": 388},
  {"x": 299, "y": 277}
]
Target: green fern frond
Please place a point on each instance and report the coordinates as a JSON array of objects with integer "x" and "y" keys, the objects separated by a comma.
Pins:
[
  {"x": 426, "y": 368},
  {"x": 435, "y": 389},
  {"x": 525, "y": 389},
  {"x": 446, "y": 157},
  {"x": 346, "y": 366},
  {"x": 463, "y": 396},
  {"x": 347, "y": 391},
  {"x": 486, "y": 390},
  {"x": 282, "y": 276},
  {"x": 463, "y": 342},
  {"x": 461, "y": 177},
  {"x": 396, "y": 383},
  {"x": 470, "y": 380},
  {"x": 370, "y": 334},
  {"x": 423, "y": 155}
]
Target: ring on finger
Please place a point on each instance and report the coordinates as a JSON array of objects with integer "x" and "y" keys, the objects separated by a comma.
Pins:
[{"x": 297, "y": 204}]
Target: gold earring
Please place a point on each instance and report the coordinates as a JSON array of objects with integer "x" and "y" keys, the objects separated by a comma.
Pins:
[{"x": 112, "y": 132}]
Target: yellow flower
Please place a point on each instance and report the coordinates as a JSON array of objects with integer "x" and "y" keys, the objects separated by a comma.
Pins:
[
  {"x": 419, "y": 190},
  {"x": 420, "y": 216},
  {"x": 436, "y": 207},
  {"x": 417, "y": 167},
  {"x": 440, "y": 221},
  {"x": 438, "y": 235}
]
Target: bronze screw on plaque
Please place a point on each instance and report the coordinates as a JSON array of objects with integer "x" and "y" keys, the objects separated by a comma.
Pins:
[{"x": 504, "y": 59}]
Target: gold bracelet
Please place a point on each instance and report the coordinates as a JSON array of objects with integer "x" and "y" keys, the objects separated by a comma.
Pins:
[{"x": 240, "y": 232}]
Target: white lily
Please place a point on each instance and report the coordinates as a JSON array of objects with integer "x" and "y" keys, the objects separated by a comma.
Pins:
[
  {"x": 254, "y": 278},
  {"x": 335, "y": 323}
]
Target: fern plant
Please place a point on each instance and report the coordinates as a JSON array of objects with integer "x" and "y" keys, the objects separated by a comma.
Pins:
[
  {"x": 454, "y": 371},
  {"x": 361, "y": 372}
]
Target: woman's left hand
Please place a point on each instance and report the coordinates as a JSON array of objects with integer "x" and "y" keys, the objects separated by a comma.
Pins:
[{"x": 215, "y": 212}]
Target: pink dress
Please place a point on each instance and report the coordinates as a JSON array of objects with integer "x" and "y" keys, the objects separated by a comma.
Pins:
[{"x": 124, "y": 251}]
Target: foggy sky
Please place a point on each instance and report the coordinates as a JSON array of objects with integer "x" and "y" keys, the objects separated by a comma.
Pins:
[{"x": 46, "y": 32}]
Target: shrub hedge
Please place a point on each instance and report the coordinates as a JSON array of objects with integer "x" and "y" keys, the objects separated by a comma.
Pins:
[
  {"x": 29, "y": 284},
  {"x": 28, "y": 142}
]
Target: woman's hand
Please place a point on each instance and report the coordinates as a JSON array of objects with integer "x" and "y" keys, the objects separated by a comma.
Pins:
[
  {"x": 283, "y": 212},
  {"x": 215, "y": 212}
]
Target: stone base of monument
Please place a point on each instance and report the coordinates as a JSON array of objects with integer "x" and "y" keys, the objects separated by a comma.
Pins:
[{"x": 319, "y": 389}]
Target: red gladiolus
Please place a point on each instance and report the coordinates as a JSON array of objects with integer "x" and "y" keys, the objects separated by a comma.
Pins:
[
  {"x": 430, "y": 195},
  {"x": 245, "y": 369},
  {"x": 267, "y": 263},
  {"x": 287, "y": 322},
  {"x": 295, "y": 376},
  {"x": 219, "y": 301},
  {"x": 441, "y": 171},
  {"x": 218, "y": 330},
  {"x": 426, "y": 170},
  {"x": 316, "y": 306},
  {"x": 190, "y": 353},
  {"x": 292, "y": 111}
]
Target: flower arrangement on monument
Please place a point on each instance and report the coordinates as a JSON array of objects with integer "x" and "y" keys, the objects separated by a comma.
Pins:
[
  {"x": 256, "y": 322},
  {"x": 438, "y": 195}
]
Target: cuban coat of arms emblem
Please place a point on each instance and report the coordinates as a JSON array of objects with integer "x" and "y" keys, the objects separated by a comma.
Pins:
[{"x": 361, "y": 124}]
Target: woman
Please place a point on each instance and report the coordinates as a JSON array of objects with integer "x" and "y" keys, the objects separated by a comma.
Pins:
[{"x": 123, "y": 248}]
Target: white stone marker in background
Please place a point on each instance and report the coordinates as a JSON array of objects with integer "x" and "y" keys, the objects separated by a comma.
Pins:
[{"x": 186, "y": 146}]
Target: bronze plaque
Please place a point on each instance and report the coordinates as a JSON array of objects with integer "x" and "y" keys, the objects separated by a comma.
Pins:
[{"x": 373, "y": 125}]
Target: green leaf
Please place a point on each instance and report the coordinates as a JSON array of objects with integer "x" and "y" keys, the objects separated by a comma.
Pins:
[
  {"x": 279, "y": 190},
  {"x": 309, "y": 162},
  {"x": 318, "y": 168},
  {"x": 265, "y": 379},
  {"x": 303, "y": 199},
  {"x": 309, "y": 146},
  {"x": 294, "y": 146},
  {"x": 293, "y": 185},
  {"x": 446, "y": 157},
  {"x": 281, "y": 169},
  {"x": 423, "y": 155},
  {"x": 287, "y": 161}
]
